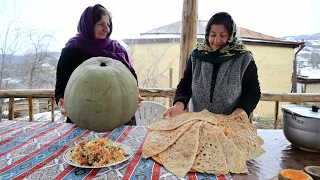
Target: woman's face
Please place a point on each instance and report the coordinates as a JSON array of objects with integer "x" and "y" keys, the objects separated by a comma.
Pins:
[
  {"x": 102, "y": 28},
  {"x": 218, "y": 36}
]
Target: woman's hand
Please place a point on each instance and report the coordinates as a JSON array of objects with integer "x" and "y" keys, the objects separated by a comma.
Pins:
[
  {"x": 174, "y": 110},
  {"x": 238, "y": 111},
  {"x": 61, "y": 107},
  {"x": 140, "y": 99}
]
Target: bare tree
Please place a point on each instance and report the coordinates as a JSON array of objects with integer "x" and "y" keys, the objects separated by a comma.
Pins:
[
  {"x": 314, "y": 58},
  {"x": 36, "y": 61},
  {"x": 9, "y": 45},
  {"x": 51, "y": 72},
  {"x": 150, "y": 72},
  {"x": 153, "y": 72}
]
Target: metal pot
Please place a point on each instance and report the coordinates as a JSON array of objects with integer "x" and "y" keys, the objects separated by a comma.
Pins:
[{"x": 301, "y": 126}]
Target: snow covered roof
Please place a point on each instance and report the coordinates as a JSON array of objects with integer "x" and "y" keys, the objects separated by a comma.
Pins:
[
  {"x": 175, "y": 28},
  {"x": 171, "y": 32},
  {"x": 308, "y": 73}
]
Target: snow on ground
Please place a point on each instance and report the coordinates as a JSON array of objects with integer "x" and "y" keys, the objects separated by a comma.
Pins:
[
  {"x": 45, "y": 117},
  {"x": 301, "y": 59},
  {"x": 310, "y": 49},
  {"x": 304, "y": 52},
  {"x": 314, "y": 42},
  {"x": 42, "y": 117}
]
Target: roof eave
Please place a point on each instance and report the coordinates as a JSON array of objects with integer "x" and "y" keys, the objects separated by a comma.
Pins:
[
  {"x": 306, "y": 80},
  {"x": 245, "y": 40},
  {"x": 272, "y": 42}
]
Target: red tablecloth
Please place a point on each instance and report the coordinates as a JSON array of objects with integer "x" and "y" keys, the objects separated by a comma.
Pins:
[{"x": 35, "y": 151}]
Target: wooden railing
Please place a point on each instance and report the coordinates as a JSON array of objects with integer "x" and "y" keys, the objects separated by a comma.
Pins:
[
  {"x": 49, "y": 93},
  {"x": 149, "y": 93}
]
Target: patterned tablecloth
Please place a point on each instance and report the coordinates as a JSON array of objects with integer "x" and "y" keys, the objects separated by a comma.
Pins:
[{"x": 35, "y": 151}]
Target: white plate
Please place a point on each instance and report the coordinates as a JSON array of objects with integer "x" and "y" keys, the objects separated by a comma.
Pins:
[{"x": 68, "y": 159}]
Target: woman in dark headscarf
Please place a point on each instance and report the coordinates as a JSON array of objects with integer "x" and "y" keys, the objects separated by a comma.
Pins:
[
  {"x": 92, "y": 40},
  {"x": 221, "y": 75}
]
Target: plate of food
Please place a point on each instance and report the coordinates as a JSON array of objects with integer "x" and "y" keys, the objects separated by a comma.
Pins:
[{"x": 97, "y": 153}]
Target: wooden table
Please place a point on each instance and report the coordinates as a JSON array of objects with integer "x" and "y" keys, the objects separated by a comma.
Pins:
[
  {"x": 35, "y": 151},
  {"x": 280, "y": 154}
]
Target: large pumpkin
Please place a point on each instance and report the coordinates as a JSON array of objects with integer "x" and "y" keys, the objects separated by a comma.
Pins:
[{"x": 101, "y": 94}]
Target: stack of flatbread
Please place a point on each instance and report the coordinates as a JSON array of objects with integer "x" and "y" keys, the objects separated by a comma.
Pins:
[{"x": 203, "y": 142}]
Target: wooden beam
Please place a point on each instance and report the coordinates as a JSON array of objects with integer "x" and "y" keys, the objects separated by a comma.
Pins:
[
  {"x": 24, "y": 93},
  {"x": 154, "y": 92},
  {"x": 276, "y": 112},
  {"x": 291, "y": 97},
  {"x": 189, "y": 32},
  {"x": 30, "y": 109},
  {"x": 11, "y": 106},
  {"x": 52, "y": 101},
  {"x": 166, "y": 92},
  {"x": 170, "y": 85},
  {"x": 251, "y": 117}
]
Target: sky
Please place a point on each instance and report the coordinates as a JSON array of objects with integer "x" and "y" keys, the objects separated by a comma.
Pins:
[{"x": 131, "y": 17}]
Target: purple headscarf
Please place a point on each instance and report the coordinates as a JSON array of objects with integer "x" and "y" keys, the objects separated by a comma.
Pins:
[{"x": 86, "y": 41}]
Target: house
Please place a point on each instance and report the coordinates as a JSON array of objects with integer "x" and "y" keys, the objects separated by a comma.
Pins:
[
  {"x": 308, "y": 85},
  {"x": 157, "y": 51},
  {"x": 308, "y": 80}
]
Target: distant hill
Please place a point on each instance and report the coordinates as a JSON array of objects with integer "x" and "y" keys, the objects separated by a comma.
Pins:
[
  {"x": 311, "y": 40},
  {"x": 312, "y": 43},
  {"x": 19, "y": 58}
]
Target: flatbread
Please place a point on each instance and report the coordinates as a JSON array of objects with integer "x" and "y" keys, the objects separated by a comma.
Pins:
[
  {"x": 158, "y": 141},
  {"x": 176, "y": 121},
  {"x": 258, "y": 152},
  {"x": 210, "y": 117},
  {"x": 247, "y": 147},
  {"x": 203, "y": 142},
  {"x": 179, "y": 157},
  {"x": 157, "y": 159},
  {"x": 248, "y": 127},
  {"x": 247, "y": 134},
  {"x": 210, "y": 157},
  {"x": 210, "y": 127},
  {"x": 235, "y": 161},
  {"x": 237, "y": 118}
]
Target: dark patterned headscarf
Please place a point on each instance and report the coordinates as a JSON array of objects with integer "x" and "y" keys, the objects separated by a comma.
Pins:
[{"x": 229, "y": 51}]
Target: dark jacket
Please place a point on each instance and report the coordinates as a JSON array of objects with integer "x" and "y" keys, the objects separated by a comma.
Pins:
[{"x": 250, "y": 95}]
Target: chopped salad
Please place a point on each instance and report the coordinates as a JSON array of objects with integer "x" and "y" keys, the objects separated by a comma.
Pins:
[{"x": 98, "y": 152}]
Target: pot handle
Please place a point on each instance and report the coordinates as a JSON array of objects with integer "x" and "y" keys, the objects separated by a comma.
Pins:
[
  {"x": 296, "y": 120},
  {"x": 315, "y": 108}
]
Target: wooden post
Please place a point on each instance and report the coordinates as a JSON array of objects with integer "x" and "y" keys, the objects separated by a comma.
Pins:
[
  {"x": 148, "y": 98},
  {"x": 251, "y": 117},
  {"x": 170, "y": 86},
  {"x": 276, "y": 111},
  {"x": 52, "y": 108},
  {"x": 189, "y": 32},
  {"x": 30, "y": 109},
  {"x": 11, "y": 111}
]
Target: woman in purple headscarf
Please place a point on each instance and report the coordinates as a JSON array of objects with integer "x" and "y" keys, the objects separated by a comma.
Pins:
[{"x": 92, "y": 40}]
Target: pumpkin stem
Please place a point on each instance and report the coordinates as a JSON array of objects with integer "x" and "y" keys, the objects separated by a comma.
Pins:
[{"x": 103, "y": 64}]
